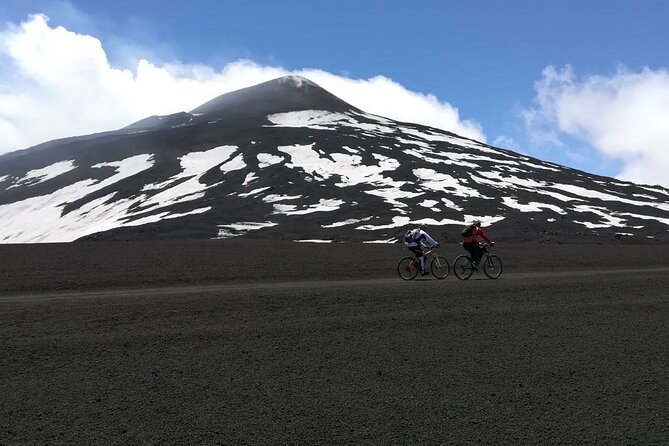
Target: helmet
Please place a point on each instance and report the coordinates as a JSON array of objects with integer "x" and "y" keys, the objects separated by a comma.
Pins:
[{"x": 476, "y": 222}]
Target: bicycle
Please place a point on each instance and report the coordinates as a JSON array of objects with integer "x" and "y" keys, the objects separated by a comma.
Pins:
[
  {"x": 408, "y": 267},
  {"x": 492, "y": 265}
]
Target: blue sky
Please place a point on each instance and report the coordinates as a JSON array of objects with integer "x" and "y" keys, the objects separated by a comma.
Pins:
[{"x": 580, "y": 83}]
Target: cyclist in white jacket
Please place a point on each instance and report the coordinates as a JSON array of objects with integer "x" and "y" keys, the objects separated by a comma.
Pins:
[{"x": 416, "y": 240}]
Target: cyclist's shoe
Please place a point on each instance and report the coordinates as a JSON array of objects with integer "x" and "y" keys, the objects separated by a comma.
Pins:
[{"x": 424, "y": 273}]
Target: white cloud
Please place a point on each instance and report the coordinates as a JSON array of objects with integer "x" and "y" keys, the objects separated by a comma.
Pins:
[
  {"x": 623, "y": 116},
  {"x": 506, "y": 142},
  {"x": 57, "y": 83}
]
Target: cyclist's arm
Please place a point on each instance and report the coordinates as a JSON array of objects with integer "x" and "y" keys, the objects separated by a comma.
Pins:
[
  {"x": 430, "y": 241},
  {"x": 484, "y": 236}
]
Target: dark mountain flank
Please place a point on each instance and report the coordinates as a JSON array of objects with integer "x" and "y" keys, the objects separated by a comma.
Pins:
[{"x": 288, "y": 160}]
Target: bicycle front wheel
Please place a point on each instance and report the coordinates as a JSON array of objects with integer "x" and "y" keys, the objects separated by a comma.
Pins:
[
  {"x": 462, "y": 267},
  {"x": 492, "y": 267},
  {"x": 440, "y": 267},
  {"x": 407, "y": 268}
]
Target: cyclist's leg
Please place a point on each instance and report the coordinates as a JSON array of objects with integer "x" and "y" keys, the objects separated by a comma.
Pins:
[
  {"x": 418, "y": 252},
  {"x": 471, "y": 249},
  {"x": 476, "y": 257}
]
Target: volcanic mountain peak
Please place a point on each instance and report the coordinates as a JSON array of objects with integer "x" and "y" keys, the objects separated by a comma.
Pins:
[
  {"x": 285, "y": 94},
  {"x": 286, "y": 159},
  {"x": 253, "y": 105},
  {"x": 297, "y": 81}
]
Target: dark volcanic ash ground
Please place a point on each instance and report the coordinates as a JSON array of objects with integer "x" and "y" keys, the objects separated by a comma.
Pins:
[{"x": 254, "y": 342}]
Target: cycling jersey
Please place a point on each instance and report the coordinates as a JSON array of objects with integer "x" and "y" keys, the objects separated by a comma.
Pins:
[
  {"x": 473, "y": 237},
  {"x": 420, "y": 238}
]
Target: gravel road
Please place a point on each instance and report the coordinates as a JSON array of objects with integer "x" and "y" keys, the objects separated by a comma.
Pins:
[{"x": 302, "y": 344}]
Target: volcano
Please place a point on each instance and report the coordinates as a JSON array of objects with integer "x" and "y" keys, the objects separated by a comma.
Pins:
[{"x": 286, "y": 159}]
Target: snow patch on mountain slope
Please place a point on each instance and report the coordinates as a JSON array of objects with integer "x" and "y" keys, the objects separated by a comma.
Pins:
[
  {"x": 457, "y": 141},
  {"x": 430, "y": 204},
  {"x": 266, "y": 160},
  {"x": 457, "y": 157},
  {"x": 435, "y": 157},
  {"x": 397, "y": 222},
  {"x": 349, "y": 168},
  {"x": 393, "y": 195},
  {"x": 607, "y": 219},
  {"x": 441, "y": 182},
  {"x": 241, "y": 228},
  {"x": 450, "y": 204},
  {"x": 381, "y": 127},
  {"x": 24, "y": 221},
  {"x": 198, "y": 163},
  {"x": 253, "y": 192},
  {"x": 350, "y": 221},
  {"x": 662, "y": 191},
  {"x": 511, "y": 181},
  {"x": 644, "y": 217},
  {"x": 272, "y": 198},
  {"x": 188, "y": 186},
  {"x": 583, "y": 192},
  {"x": 323, "y": 205},
  {"x": 385, "y": 240},
  {"x": 532, "y": 206},
  {"x": 187, "y": 190},
  {"x": 647, "y": 197},
  {"x": 250, "y": 178},
  {"x": 164, "y": 216},
  {"x": 313, "y": 119},
  {"x": 45, "y": 173},
  {"x": 326, "y": 120},
  {"x": 235, "y": 164},
  {"x": 557, "y": 195}
]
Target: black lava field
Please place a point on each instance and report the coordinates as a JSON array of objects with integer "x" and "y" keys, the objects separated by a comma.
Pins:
[{"x": 259, "y": 342}]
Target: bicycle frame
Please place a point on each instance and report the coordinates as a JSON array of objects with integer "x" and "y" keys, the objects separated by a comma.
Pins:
[
  {"x": 490, "y": 264},
  {"x": 427, "y": 254},
  {"x": 486, "y": 253},
  {"x": 408, "y": 266}
]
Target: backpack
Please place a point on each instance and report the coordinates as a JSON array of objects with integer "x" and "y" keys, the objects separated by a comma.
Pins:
[{"x": 467, "y": 231}]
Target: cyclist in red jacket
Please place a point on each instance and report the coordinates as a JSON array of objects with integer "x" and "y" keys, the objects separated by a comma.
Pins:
[{"x": 470, "y": 241}]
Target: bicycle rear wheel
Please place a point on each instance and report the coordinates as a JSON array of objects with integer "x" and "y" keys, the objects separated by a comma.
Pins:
[
  {"x": 440, "y": 267},
  {"x": 462, "y": 267},
  {"x": 492, "y": 267},
  {"x": 407, "y": 268}
]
